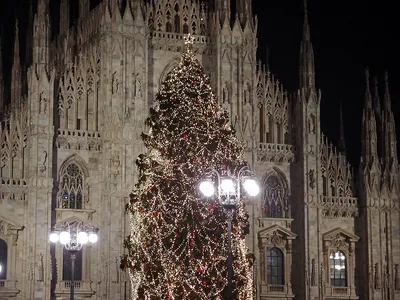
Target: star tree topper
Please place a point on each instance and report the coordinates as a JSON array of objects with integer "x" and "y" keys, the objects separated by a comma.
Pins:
[{"x": 189, "y": 39}]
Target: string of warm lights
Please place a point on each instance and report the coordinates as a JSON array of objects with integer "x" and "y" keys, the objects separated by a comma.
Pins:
[{"x": 177, "y": 248}]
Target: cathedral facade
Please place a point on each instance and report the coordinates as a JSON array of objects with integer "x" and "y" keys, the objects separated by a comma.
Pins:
[{"x": 70, "y": 135}]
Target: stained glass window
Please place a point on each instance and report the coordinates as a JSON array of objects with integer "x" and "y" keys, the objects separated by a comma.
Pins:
[
  {"x": 72, "y": 184},
  {"x": 338, "y": 268},
  {"x": 275, "y": 196},
  {"x": 275, "y": 267}
]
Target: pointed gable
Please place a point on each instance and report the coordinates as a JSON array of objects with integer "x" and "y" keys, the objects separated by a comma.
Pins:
[
  {"x": 337, "y": 234},
  {"x": 275, "y": 235}
]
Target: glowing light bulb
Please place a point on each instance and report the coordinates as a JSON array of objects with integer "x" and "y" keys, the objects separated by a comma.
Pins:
[{"x": 207, "y": 188}]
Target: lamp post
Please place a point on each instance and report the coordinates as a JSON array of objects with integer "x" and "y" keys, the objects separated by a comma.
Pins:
[
  {"x": 228, "y": 190},
  {"x": 73, "y": 236}
]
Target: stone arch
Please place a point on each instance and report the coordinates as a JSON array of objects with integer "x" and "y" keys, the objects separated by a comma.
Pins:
[
  {"x": 168, "y": 68},
  {"x": 73, "y": 191},
  {"x": 75, "y": 158},
  {"x": 275, "y": 194}
]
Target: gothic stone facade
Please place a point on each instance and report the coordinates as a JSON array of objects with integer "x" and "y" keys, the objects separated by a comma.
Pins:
[{"x": 70, "y": 137}]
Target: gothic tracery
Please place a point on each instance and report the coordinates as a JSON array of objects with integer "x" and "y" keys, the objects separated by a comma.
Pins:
[
  {"x": 275, "y": 195},
  {"x": 72, "y": 186}
]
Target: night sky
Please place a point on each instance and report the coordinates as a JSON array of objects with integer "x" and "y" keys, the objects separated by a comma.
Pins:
[{"x": 347, "y": 36}]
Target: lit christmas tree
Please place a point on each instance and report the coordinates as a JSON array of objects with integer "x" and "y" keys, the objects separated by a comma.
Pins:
[{"x": 177, "y": 248}]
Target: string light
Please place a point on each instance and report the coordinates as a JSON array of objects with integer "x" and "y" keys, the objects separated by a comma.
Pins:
[{"x": 177, "y": 247}]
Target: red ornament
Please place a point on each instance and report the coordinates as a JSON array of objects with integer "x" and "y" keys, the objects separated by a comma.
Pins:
[
  {"x": 215, "y": 239},
  {"x": 185, "y": 136},
  {"x": 191, "y": 244},
  {"x": 182, "y": 268},
  {"x": 219, "y": 279},
  {"x": 204, "y": 282},
  {"x": 133, "y": 267},
  {"x": 155, "y": 213},
  {"x": 199, "y": 270},
  {"x": 177, "y": 234}
]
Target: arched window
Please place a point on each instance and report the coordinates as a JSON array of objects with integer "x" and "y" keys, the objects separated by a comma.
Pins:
[
  {"x": 177, "y": 24},
  {"x": 275, "y": 196},
  {"x": 66, "y": 276},
  {"x": 338, "y": 270},
  {"x": 3, "y": 260},
  {"x": 275, "y": 267},
  {"x": 72, "y": 182}
]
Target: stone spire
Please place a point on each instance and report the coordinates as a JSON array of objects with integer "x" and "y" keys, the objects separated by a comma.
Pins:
[
  {"x": 368, "y": 128},
  {"x": 244, "y": 11},
  {"x": 342, "y": 142},
  {"x": 16, "y": 71},
  {"x": 64, "y": 17},
  {"x": 377, "y": 102},
  {"x": 307, "y": 69},
  {"x": 1, "y": 75},
  {"x": 388, "y": 128},
  {"x": 29, "y": 37},
  {"x": 41, "y": 33},
  {"x": 84, "y": 7},
  {"x": 223, "y": 10}
]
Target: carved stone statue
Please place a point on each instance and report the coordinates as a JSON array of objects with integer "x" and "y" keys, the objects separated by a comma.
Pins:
[
  {"x": 225, "y": 95},
  {"x": 311, "y": 124},
  {"x": 247, "y": 95},
  {"x": 42, "y": 166},
  {"x": 115, "y": 163},
  {"x": 311, "y": 176},
  {"x": 137, "y": 85},
  {"x": 42, "y": 104},
  {"x": 115, "y": 84}
]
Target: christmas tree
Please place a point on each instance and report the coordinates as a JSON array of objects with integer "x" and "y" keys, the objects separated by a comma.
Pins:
[{"x": 177, "y": 248}]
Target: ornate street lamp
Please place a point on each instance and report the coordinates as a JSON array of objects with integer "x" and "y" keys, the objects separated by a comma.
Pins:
[
  {"x": 228, "y": 189},
  {"x": 73, "y": 236}
]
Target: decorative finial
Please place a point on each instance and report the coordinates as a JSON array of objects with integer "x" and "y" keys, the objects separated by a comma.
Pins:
[
  {"x": 386, "y": 78},
  {"x": 305, "y": 7},
  {"x": 189, "y": 39},
  {"x": 367, "y": 74}
]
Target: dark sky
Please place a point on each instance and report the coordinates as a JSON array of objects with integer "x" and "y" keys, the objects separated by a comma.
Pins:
[{"x": 347, "y": 37}]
